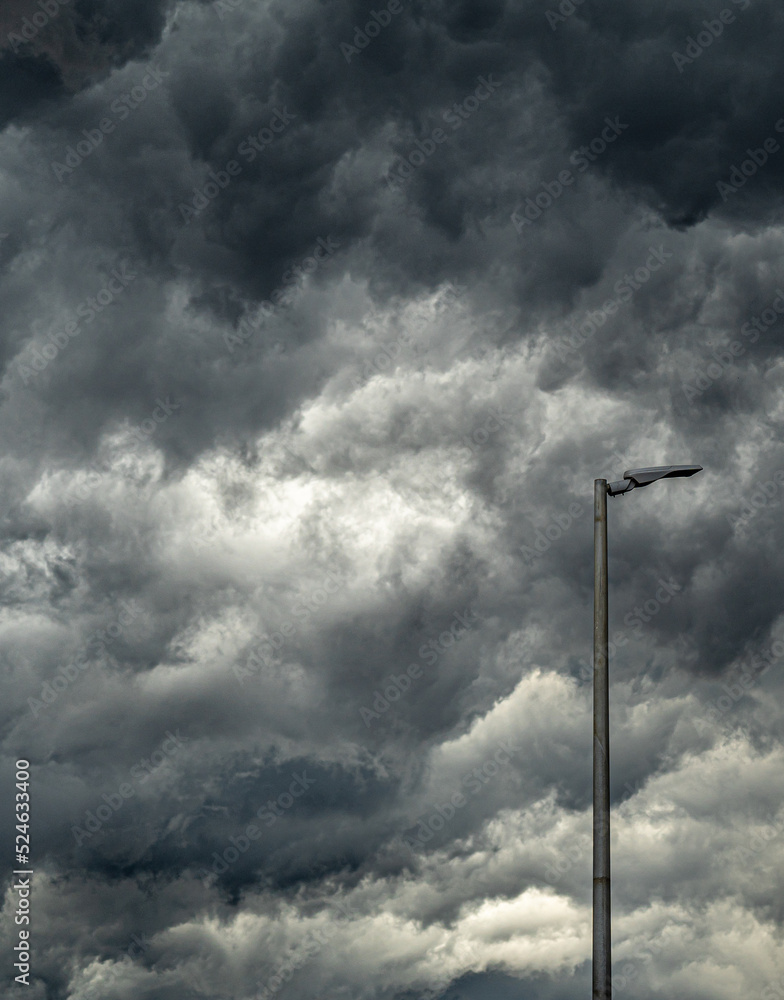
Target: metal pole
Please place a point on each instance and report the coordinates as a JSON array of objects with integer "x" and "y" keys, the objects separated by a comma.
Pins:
[{"x": 602, "y": 989}]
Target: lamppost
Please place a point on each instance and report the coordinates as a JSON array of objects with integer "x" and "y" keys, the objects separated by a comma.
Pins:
[{"x": 602, "y": 987}]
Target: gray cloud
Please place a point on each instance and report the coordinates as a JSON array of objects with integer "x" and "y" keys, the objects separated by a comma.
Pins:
[{"x": 251, "y": 484}]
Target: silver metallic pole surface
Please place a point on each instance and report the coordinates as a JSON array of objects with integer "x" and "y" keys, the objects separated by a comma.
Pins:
[{"x": 602, "y": 989}]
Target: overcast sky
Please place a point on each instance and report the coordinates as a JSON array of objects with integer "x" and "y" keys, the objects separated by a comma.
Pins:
[{"x": 319, "y": 319}]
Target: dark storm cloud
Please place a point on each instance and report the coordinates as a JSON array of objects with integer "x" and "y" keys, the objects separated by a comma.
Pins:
[
  {"x": 26, "y": 82},
  {"x": 57, "y": 46},
  {"x": 689, "y": 122}
]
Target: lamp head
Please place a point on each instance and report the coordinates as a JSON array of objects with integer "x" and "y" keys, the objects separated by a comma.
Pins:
[{"x": 644, "y": 477}]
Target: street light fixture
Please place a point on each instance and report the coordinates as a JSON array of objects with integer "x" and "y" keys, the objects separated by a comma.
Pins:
[
  {"x": 644, "y": 477},
  {"x": 635, "y": 478}
]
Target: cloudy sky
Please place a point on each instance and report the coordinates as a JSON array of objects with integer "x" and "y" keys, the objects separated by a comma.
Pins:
[{"x": 319, "y": 319}]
